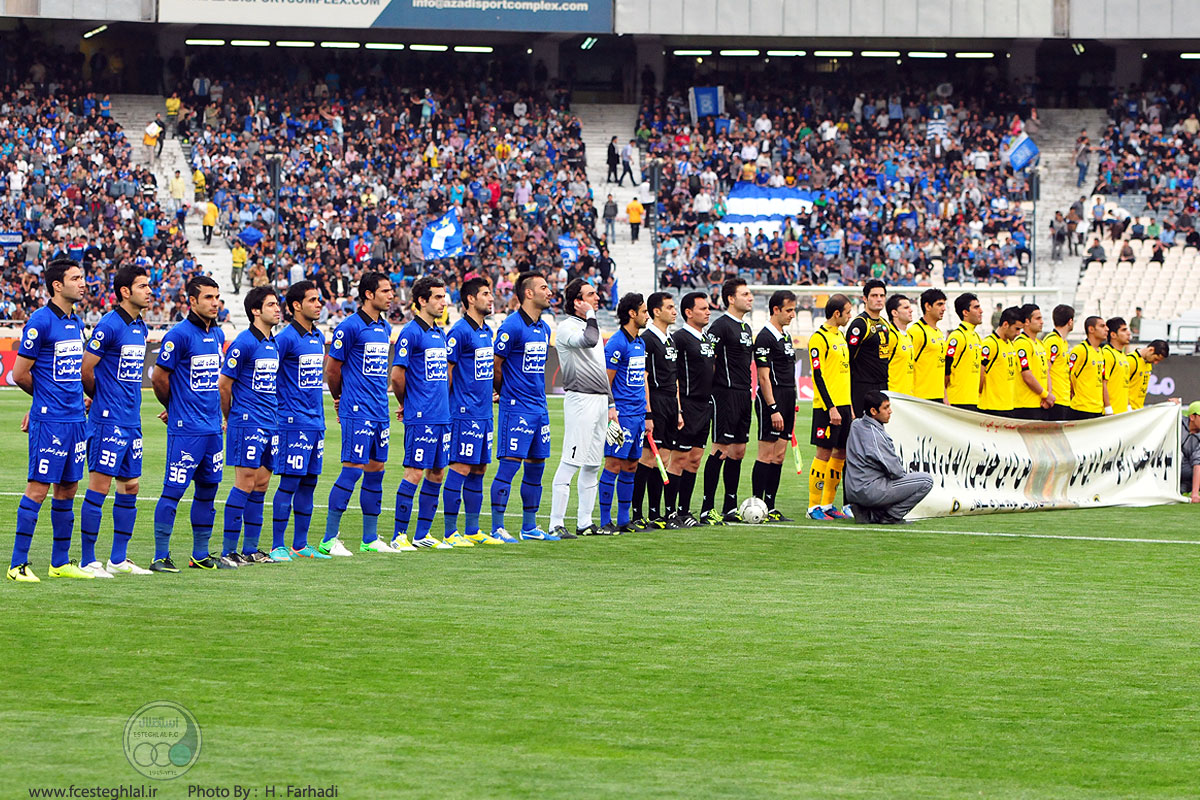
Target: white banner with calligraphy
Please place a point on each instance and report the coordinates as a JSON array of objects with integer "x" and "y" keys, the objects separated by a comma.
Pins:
[{"x": 983, "y": 464}]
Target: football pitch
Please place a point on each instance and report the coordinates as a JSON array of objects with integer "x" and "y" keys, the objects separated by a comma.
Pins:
[{"x": 1042, "y": 655}]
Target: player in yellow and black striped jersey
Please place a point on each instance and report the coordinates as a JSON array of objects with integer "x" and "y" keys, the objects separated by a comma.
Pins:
[
  {"x": 829, "y": 358},
  {"x": 998, "y": 366},
  {"x": 1144, "y": 360},
  {"x": 963, "y": 354},
  {"x": 1031, "y": 398},
  {"x": 929, "y": 348},
  {"x": 900, "y": 365},
  {"x": 869, "y": 338},
  {"x": 1089, "y": 381},
  {"x": 1117, "y": 364},
  {"x": 1058, "y": 381}
]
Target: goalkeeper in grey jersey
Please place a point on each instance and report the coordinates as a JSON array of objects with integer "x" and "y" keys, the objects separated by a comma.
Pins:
[{"x": 587, "y": 408}]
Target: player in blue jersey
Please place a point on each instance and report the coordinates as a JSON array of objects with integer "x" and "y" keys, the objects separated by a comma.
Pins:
[
  {"x": 356, "y": 370},
  {"x": 113, "y": 363},
  {"x": 185, "y": 381},
  {"x": 300, "y": 390},
  {"x": 421, "y": 383},
  {"x": 625, "y": 355},
  {"x": 472, "y": 367},
  {"x": 523, "y": 428},
  {"x": 49, "y": 367},
  {"x": 248, "y": 403}
]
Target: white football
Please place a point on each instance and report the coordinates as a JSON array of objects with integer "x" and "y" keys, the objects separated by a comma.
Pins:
[{"x": 753, "y": 510}]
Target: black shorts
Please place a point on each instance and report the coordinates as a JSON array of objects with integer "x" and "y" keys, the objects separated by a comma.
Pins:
[
  {"x": 787, "y": 407},
  {"x": 858, "y": 393},
  {"x": 1058, "y": 412},
  {"x": 1038, "y": 413},
  {"x": 731, "y": 416},
  {"x": 1074, "y": 413},
  {"x": 966, "y": 407},
  {"x": 664, "y": 412},
  {"x": 999, "y": 412},
  {"x": 831, "y": 436},
  {"x": 697, "y": 414}
]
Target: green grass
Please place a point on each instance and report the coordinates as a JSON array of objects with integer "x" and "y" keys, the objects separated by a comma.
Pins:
[{"x": 784, "y": 661}]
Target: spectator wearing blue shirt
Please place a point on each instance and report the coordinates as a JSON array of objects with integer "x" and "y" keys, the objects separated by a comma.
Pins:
[
  {"x": 523, "y": 426},
  {"x": 49, "y": 367},
  {"x": 300, "y": 390},
  {"x": 185, "y": 382},
  {"x": 356, "y": 370},
  {"x": 421, "y": 382},
  {"x": 113, "y": 363},
  {"x": 625, "y": 357},
  {"x": 248, "y": 404}
]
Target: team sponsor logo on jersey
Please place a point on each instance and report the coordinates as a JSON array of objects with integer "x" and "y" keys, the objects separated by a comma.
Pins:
[
  {"x": 375, "y": 358},
  {"x": 68, "y": 360},
  {"x": 671, "y": 353},
  {"x": 534, "y": 361},
  {"x": 130, "y": 363},
  {"x": 435, "y": 364},
  {"x": 637, "y": 371},
  {"x": 204, "y": 372},
  {"x": 309, "y": 372},
  {"x": 265, "y": 370},
  {"x": 485, "y": 362}
]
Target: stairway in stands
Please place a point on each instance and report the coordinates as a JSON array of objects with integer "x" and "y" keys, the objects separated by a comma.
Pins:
[{"x": 134, "y": 112}]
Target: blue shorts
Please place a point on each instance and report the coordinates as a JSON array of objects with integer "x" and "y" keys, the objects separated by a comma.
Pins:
[
  {"x": 114, "y": 450},
  {"x": 199, "y": 458},
  {"x": 426, "y": 446},
  {"x": 635, "y": 436},
  {"x": 471, "y": 441},
  {"x": 300, "y": 452},
  {"x": 523, "y": 434},
  {"x": 57, "y": 451},
  {"x": 364, "y": 440},
  {"x": 251, "y": 446}
]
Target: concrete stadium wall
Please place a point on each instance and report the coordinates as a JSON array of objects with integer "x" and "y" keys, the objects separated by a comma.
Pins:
[{"x": 1135, "y": 19}]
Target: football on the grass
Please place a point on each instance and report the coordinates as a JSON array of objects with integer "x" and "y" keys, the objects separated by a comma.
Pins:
[{"x": 753, "y": 510}]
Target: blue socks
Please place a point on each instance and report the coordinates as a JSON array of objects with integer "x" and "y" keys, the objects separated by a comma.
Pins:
[
  {"x": 204, "y": 514},
  {"x": 281, "y": 509},
  {"x": 339, "y": 499},
  {"x": 164, "y": 520},
  {"x": 501, "y": 487},
  {"x": 62, "y": 522},
  {"x": 254, "y": 521},
  {"x": 235, "y": 510},
  {"x": 370, "y": 500},
  {"x": 405, "y": 493},
  {"x": 531, "y": 493},
  {"x": 624, "y": 497},
  {"x": 608, "y": 483},
  {"x": 427, "y": 507},
  {"x": 89, "y": 524},
  {"x": 124, "y": 517},
  {"x": 27, "y": 517},
  {"x": 472, "y": 502},
  {"x": 452, "y": 499},
  {"x": 303, "y": 505}
]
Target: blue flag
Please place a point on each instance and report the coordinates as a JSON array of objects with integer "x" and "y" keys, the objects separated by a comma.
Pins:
[
  {"x": 568, "y": 248},
  {"x": 444, "y": 237},
  {"x": 1022, "y": 153}
]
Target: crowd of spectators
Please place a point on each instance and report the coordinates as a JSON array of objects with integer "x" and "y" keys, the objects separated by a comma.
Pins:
[
  {"x": 914, "y": 174},
  {"x": 372, "y": 151}
]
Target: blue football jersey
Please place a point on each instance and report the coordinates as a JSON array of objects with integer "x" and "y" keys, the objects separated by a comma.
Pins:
[
  {"x": 252, "y": 361},
  {"x": 191, "y": 352},
  {"x": 627, "y": 357},
  {"x": 120, "y": 343},
  {"x": 523, "y": 344},
  {"x": 300, "y": 385},
  {"x": 421, "y": 350},
  {"x": 362, "y": 347},
  {"x": 472, "y": 362},
  {"x": 53, "y": 340}
]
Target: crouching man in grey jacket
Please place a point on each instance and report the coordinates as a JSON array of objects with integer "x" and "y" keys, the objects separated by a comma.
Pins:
[{"x": 876, "y": 485}]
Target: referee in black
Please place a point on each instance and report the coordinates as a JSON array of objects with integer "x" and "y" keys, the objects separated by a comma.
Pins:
[
  {"x": 870, "y": 342},
  {"x": 661, "y": 357},
  {"x": 694, "y": 368},
  {"x": 775, "y": 402},
  {"x": 734, "y": 345}
]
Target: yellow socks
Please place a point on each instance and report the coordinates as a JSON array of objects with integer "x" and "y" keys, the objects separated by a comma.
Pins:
[
  {"x": 816, "y": 482},
  {"x": 836, "y": 465}
]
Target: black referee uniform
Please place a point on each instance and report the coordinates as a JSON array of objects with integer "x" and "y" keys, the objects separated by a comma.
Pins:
[
  {"x": 870, "y": 342},
  {"x": 734, "y": 346},
  {"x": 775, "y": 352},
  {"x": 694, "y": 368},
  {"x": 661, "y": 358}
]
